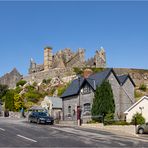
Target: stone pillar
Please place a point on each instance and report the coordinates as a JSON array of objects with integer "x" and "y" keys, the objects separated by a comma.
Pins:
[{"x": 47, "y": 58}]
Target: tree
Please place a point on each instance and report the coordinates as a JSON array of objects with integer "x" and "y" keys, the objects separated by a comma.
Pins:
[
  {"x": 138, "y": 119},
  {"x": 3, "y": 90},
  {"x": 21, "y": 82},
  {"x": 9, "y": 100},
  {"x": 103, "y": 102},
  {"x": 18, "y": 102}
]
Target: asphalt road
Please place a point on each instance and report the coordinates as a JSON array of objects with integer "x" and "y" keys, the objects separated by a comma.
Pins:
[{"x": 20, "y": 133}]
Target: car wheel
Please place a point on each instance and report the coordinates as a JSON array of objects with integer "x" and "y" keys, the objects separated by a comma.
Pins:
[
  {"x": 29, "y": 121},
  {"x": 141, "y": 131},
  {"x": 38, "y": 121}
]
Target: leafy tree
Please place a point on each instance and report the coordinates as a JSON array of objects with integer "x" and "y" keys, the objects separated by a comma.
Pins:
[
  {"x": 21, "y": 82},
  {"x": 18, "y": 89},
  {"x": 32, "y": 96},
  {"x": 103, "y": 102},
  {"x": 138, "y": 119},
  {"x": 18, "y": 102},
  {"x": 9, "y": 100},
  {"x": 3, "y": 90}
]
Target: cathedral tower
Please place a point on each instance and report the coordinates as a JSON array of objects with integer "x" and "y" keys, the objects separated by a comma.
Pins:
[{"x": 47, "y": 58}]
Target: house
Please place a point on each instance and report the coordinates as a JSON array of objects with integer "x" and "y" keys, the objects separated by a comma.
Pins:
[
  {"x": 53, "y": 105},
  {"x": 81, "y": 93},
  {"x": 141, "y": 106}
]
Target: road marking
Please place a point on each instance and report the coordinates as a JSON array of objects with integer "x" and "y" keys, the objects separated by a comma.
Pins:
[
  {"x": 26, "y": 138},
  {"x": 2, "y": 129},
  {"x": 121, "y": 144},
  {"x": 80, "y": 132}
]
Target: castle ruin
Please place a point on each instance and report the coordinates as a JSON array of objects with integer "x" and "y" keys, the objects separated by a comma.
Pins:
[{"x": 66, "y": 58}]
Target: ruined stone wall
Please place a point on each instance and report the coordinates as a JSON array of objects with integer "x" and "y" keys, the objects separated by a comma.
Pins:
[
  {"x": 59, "y": 72},
  {"x": 78, "y": 60}
]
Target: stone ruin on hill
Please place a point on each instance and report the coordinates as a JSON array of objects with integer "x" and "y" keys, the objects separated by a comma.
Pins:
[{"x": 67, "y": 59}]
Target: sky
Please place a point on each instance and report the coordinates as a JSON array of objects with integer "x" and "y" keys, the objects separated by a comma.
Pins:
[{"x": 26, "y": 27}]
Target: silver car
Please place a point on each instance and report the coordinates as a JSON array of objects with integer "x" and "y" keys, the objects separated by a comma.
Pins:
[{"x": 141, "y": 129}]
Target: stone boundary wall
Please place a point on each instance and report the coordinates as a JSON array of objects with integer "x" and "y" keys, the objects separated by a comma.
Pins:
[{"x": 124, "y": 129}]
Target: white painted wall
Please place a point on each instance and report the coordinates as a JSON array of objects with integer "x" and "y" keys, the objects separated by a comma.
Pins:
[{"x": 144, "y": 104}]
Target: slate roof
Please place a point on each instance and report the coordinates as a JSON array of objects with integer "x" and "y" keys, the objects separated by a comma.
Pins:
[
  {"x": 94, "y": 80},
  {"x": 74, "y": 87},
  {"x": 98, "y": 78},
  {"x": 123, "y": 78},
  {"x": 56, "y": 102}
]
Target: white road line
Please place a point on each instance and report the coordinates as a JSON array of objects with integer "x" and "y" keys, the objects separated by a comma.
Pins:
[
  {"x": 26, "y": 138},
  {"x": 2, "y": 129}
]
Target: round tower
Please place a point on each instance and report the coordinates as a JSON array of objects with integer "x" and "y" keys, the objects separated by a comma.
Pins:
[{"x": 47, "y": 58}]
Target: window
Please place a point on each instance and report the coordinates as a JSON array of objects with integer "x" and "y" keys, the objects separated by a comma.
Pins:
[
  {"x": 87, "y": 107},
  {"x": 69, "y": 111},
  {"x": 86, "y": 89}
]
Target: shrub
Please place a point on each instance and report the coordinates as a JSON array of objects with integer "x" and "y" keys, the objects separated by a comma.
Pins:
[
  {"x": 21, "y": 82},
  {"x": 44, "y": 81},
  {"x": 138, "y": 119},
  {"x": 91, "y": 122},
  {"x": 137, "y": 94},
  {"x": 95, "y": 70},
  {"x": 143, "y": 87},
  {"x": 109, "y": 119},
  {"x": 18, "y": 89},
  {"x": 78, "y": 71}
]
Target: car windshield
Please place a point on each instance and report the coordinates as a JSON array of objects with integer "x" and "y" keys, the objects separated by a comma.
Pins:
[{"x": 42, "y": 114}]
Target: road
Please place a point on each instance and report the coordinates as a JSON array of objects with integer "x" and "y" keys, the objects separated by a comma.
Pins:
[{"x": 20, "y": 133}]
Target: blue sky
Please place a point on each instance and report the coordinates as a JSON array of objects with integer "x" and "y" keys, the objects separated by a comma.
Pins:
[{"x": 27, "y": 27}]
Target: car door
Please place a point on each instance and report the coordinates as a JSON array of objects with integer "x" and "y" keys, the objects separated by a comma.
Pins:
[
  {"x": 33, "y": 115},
  {"x": 146, "y": 128}
]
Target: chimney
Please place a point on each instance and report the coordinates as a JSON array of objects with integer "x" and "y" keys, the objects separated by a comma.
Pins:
[{"x": 87, "y": 73}]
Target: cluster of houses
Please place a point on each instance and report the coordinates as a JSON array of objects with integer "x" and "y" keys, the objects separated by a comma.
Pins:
[{"x": 80, "y": 94}]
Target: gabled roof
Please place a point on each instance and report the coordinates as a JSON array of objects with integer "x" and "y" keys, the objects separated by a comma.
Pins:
[
  {"x": 144, "y": 97},
  {"x": 123, "y": 78},
  {"x": 93, "y": 80},
  {"x": 74, "y": 87},
  {"x": 100, "y": 77}
]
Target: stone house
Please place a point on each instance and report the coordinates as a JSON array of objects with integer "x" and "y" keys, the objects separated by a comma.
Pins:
[
  {"x": 53, "y": 105},
  {"x": 81, "y": 93},
  {"x": 141, "y": 106}
]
